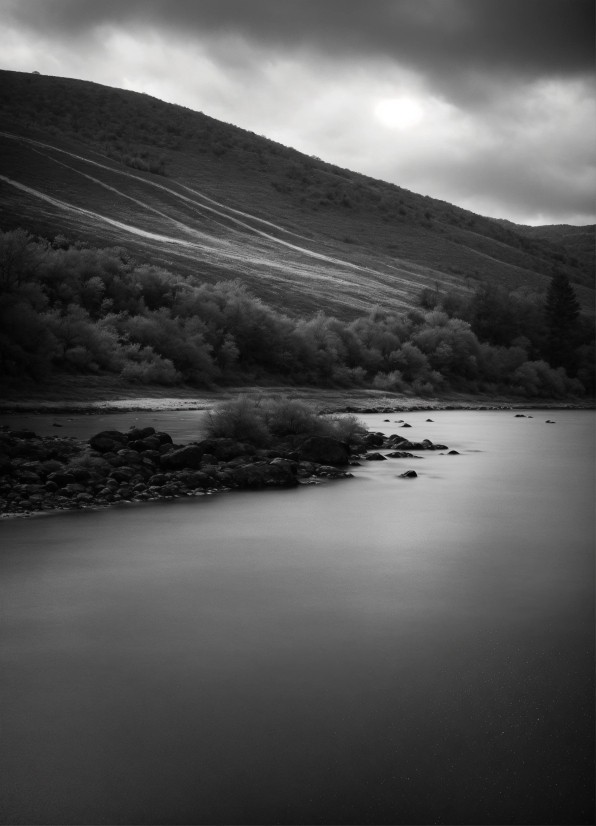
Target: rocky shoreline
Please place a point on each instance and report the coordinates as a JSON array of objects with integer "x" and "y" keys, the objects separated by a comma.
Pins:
[
  {"x": 42, "y": 474},
  {"x": 148, "y": 405},
  {"x": 439, "y": 407}
]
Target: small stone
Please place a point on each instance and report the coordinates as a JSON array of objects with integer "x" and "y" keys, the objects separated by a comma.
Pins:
[{"x": 409, "y": 474}]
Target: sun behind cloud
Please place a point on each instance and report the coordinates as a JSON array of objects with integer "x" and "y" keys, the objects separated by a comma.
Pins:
[{"x": 399, "y": 113}]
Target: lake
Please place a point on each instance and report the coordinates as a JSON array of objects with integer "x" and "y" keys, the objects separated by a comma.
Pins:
[{"x": 369, "y": 650}]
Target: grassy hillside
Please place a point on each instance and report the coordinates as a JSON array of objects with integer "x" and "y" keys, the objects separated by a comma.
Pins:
[
  {"x": 214, "y": 202},
  {"x": 578, "y": 243}
]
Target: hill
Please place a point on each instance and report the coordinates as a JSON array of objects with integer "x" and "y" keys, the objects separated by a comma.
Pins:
[
  {"x": 578, "y": 242},
  {"x": 214, "y": 202}
]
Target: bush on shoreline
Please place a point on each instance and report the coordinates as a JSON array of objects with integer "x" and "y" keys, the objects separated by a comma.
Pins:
[{"x": 260, "y": 422}]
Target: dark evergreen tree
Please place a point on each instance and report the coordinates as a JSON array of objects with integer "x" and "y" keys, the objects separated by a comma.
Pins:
[{"x": 562, "y": 312}]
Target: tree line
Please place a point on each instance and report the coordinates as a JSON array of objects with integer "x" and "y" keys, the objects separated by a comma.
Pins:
[{"x": 71, "y": 308}]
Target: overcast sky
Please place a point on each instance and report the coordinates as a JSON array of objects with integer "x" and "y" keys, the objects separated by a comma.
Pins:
[{"x": 488, "y": 104}]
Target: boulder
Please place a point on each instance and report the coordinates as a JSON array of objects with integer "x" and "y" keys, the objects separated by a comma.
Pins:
[
  {"x": 375, "y": 457},
  {"x": 184, "y": 457},
  {"x": 197, "y": 479},
  {"x": 402, "y": 454},
  {"x": 287, "y": 463},
  {"x": 153, "y": 456},
  {"x": 225, "y": 449},
  {"x": 140, "y": 445},
  {"x": 209, "y": 459},
  {"x": 324, "y": 450},
  {"x": 107, "y": 441},
  {"x": 241, "y": 460},
  {"x": 129, "y": 457},
  {"x": 261, "y": 475},
  {"x": 331, "y": 472},
  {"x": 103, "y": 444},
  {"x": 122, "y": 474},
  {"x": 136, "y": 433},
  {"x": 73, "y": 489},
  {"x": 409, "y": 474},
  {"x": 374, "y": 439},
  {"x": 307, "y": 467},
  {"x": 27, "y": 477},
  {"x": 453, "y": 453}
]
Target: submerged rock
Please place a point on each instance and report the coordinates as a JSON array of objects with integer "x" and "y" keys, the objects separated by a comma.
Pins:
[{"x": 402, "y": 454}]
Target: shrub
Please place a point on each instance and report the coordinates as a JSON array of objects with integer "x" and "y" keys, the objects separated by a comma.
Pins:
[
  {"x": 290, "y": 417},
  {"x": 239, "y": 419},
  {"x": 346, "y": 428},
  {"x": 389, "y": 381},
  {"x": 160, "y": 371},
  {"x": 261, "y": 421}
]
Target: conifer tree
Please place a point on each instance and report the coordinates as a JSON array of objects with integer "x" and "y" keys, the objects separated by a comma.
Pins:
[{"x": 562, "y": 311}]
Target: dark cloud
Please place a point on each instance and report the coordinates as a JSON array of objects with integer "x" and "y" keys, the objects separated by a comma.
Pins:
[
  {"x": 528, "y": 37},
  {"x": 505, "y": 86}
]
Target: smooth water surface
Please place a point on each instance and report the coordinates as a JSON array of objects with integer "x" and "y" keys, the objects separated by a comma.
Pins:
[{"x": 370, "y": 650}]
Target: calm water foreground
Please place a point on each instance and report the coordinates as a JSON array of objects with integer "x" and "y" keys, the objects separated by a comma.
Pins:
[{"x": 373, "y": 650}]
